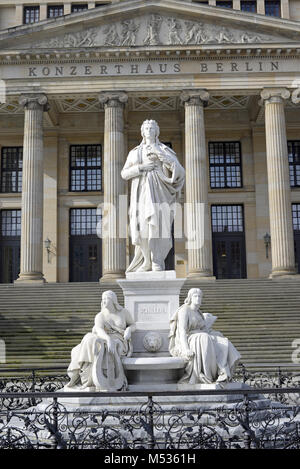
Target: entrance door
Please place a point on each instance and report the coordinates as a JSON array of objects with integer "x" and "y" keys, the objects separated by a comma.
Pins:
[
  {"x": 229, "y": 256},
  {"x": 296, "y": 226},
  {"x": 10, "y": 245},
  {"x": 170, "y": 259},
  {"x": 85, "y": 246},
  {"x": 297, "y": 251}
]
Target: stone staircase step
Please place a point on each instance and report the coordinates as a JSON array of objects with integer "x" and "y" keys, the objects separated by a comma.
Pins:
[{"x": 41, "y": 324}]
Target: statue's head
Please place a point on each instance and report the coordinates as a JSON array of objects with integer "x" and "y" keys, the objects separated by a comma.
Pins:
[
  {"x": 109, "y": 299},
  {"x": 150, "y": 128},
  {"x": 194, "y": 296}
]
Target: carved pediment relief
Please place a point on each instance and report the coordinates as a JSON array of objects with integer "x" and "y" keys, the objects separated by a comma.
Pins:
[
  {"x": 137, "y": 23},
  {"x": 155, "y": 30}
]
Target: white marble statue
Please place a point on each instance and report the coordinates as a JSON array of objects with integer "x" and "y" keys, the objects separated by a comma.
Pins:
[
  {"x": 96, "y": 361},
  {"x": 210, "y": 356},
  {"x": 157, "y": 178}
]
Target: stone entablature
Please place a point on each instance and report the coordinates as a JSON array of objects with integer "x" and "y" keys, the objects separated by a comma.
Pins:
[{"x": 177, "y": 66}]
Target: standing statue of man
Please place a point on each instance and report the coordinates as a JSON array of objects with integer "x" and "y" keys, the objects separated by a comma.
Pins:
[{"x": 157, "y": 178}]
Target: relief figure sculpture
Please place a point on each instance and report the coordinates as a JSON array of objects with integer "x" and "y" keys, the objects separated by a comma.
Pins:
[
  {"x": 129, "y": 32},
  {"x": 153, "y": 27}
]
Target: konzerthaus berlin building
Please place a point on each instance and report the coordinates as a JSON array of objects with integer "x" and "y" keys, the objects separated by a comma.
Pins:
[{"x": 222, "y": 80}]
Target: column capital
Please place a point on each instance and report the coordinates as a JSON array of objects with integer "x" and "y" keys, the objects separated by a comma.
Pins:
[
  {"x": 194, "y": 97},
  {"x": 274, "y": 95},
  {"x": 34, "y": 101},
  {"x": 296, "y": 96},
  {"x": 113, "y": 98}
]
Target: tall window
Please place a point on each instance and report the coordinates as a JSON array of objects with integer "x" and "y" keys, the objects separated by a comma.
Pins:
[
  {"x": 296, "y": 216},
  {"x": 294, "y": 162},
  {"x": 76, "y": 8},
  {"x": 272, "y": 8},
  {"x": 85, "y": 168},
  {"x": 227, "y": 218},
  {"x": 83, "y": 221},
  {"x": 54, "y": 11},
  {"x": 31, "y": 14},
  {"x": 248, "y": 5},
  {"x": 224, "y": 4},
  {"x": 225, "y": 164},
  {"x": 11, "y": 169},
  {"x": 10, "y": 223}
]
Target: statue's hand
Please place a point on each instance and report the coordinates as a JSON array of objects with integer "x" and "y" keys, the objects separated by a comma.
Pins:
[
  {"x": 110, "y": 346},
  {"x": 147, "y": 166},
  {"x": 188, "y": 354}
]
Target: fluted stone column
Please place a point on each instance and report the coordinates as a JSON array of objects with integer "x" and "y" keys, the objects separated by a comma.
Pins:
[
  {"x": 31, "y": 267},
  {"x": 198, "y": 230},
  {"x": 282, "y": 237},
  {"x": 113, "y": 246}
]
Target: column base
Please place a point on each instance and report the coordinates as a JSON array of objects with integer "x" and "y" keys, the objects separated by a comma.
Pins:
[
  {"x": 30, "y": 279},
  {"x": 285, "y": 277},
  {"x": 283, "y": 273},
  {"x": 201, "y": 276},
  {"x": 110, "y": 277}
]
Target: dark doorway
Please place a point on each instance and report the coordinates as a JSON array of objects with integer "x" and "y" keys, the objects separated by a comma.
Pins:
[
  {"x": 296, "y": 226},
  {"x": 10, "y": 237},
  {"x": 229, "y": 254},
  {"x": 170, "y": 259},
  {"x": 297, "y": 251},
  {"x": 85, "y": 246}
]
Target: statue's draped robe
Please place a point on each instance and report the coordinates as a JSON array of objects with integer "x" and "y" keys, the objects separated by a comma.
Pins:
[
  {"x": 84, "y": 355},
  {"x": 148, "y": 218},
  {"x": 215, "y": 357}
]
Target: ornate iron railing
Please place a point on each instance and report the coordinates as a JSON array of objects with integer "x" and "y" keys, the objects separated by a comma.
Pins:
[
  {"x": 148, "y": 421},
  {"x": 53, "y": 379}
]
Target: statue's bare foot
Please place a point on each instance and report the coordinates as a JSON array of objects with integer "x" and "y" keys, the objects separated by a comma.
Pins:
[{"x": 145, "y": 267}]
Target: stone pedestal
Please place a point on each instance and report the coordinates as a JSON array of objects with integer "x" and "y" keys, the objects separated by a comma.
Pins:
[
  {"x": 31, "y": 266},
  {"x": 167, "y": 402},
  {"x": 281, "y": 226},
  {"x": 152, "y": 298}
]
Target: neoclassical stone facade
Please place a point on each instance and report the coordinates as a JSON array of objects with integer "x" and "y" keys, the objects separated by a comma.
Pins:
[{"x": 223, "y": 86}]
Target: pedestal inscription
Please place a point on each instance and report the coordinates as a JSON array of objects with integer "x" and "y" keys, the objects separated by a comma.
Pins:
[{"x": 148, "y": 311}]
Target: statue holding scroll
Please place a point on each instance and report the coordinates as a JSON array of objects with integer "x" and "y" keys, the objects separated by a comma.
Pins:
[
  {"x": 210, "y": 357},
  {"x": 157, "y": 178}
]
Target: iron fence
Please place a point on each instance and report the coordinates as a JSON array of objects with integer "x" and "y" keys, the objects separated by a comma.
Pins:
[
  {"x": 53, "y": 379},
  {"x": 151, "y": 421},
  {"x": 34, "y": 413}
]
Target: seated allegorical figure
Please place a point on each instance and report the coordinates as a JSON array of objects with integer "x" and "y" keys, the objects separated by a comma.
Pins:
[
  {"x": 210, "y": 356},
  {"x": 96, "y": 361}
]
